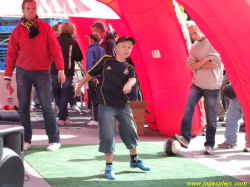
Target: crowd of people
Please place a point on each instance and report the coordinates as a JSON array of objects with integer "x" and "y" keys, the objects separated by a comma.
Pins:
[{"x": 45, "y": 56}]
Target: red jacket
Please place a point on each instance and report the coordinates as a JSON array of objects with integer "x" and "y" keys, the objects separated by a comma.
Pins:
[{"x": 33, "y": 54}]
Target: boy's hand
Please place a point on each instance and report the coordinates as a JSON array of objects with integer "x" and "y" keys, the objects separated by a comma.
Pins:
[
  {"x": 77, "y": 92},
  {"x": 127, "y": 88}
]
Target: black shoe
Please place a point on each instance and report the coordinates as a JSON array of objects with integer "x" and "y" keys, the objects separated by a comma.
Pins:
[
  {"x": 38, "y": 108},
  {"x": 246, "y": 149},
  {"x": 184, "y": 143}
]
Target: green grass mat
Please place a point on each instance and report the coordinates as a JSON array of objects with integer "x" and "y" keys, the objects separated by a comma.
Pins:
[{"x": 82, "y": 165}]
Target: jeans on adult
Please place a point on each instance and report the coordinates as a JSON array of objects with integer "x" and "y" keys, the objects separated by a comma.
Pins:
[
  {"x": 61, "y": 94},
  {"x": 72, "y": 101},
  {"x": 107, "y": 124},
  {"x": 234, "y": 115},
  {"x": 93, "y": 97},
  {"x": 42, "y": 83},
  {"x": 210, "y": 97}
]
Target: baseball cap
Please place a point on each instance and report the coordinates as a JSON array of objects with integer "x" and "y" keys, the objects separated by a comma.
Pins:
[
  {"x": 94, "y": 36},
  {"x": 125, "y": 38}
]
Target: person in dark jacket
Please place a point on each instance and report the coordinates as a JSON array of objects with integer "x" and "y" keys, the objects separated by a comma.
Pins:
[
  {"x": 71, "y": 53},
  {"x": 108, "y": 41}
]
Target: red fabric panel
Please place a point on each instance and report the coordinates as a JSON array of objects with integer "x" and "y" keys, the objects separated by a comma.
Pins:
[
  {"x": 113, "y": 4},
  {"x": 165, "y": 81},
  {"x": 229, "y": 33}
]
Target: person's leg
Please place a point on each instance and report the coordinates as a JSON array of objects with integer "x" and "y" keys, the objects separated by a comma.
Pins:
[
  {"x": 107, "y": 135},
  {"x": 71, "y": 99},
  {"x": 89, "y": 101},
  {"x": 93, "y": 96},
  {"x": 24, "y": 85},
  {"x": 56, "y": 89},
  {"x": 127, "y": 127},
  {"x": 220, "y": 109},
  {"x": 63, "y": 105},
  {"x": 42, "y": 83},
  {"x": 128, "y": 134},
  {"x": 225, "y": 81},
  {"x": 211, "y": 97},
  {"x": 246, "y": 144},
  {"x": 107, "y": 118},
  {"x": 187, "y": 120},
  {"x": 35, "y": 97},
  {"x": 234, "y": 114}
]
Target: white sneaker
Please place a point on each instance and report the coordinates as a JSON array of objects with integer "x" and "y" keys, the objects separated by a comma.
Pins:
[
  {"x": 26, "y": 146},
  {"x": 76, "y": 108},
  {"x": 208, "y": 150},
  {"x": 53, "y": 146},
  {"x": 93, "y": 123}
]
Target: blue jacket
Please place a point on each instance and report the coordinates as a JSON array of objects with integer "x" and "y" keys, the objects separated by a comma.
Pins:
[{"x": 94, "y": 54}]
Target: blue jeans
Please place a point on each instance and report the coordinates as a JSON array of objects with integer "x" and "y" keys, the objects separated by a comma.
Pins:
[
  {"x": 61, "y": 94},
  {"x": 127, "y": 128},
  {"x": 42, "y": 83},
  {"x": 210, "y": 97},
  {"x": 234, "y": 114}
]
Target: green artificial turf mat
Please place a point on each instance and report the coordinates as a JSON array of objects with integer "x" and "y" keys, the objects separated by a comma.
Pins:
[{"x": 82, "y": 165}]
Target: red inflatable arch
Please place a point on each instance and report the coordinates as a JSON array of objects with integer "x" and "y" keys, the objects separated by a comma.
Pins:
[
  {"x": 165, "y": 78},
  {"x": 165, "y": 81},
  {"x": 229, "y": 32}
]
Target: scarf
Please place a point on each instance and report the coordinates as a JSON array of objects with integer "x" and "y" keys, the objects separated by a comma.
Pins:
[{"x": 31, "y": 26}]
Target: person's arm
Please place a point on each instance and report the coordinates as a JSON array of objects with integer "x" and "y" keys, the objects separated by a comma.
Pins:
[
  {"x": 197, "y": 65},
  {"x": 131, "y": 80},
  {"x": 209, "y": 65},
  {"x": 11, "y": 58},
  {"x": 85, "y": 79},
  {"x": 128, "y": 86}
]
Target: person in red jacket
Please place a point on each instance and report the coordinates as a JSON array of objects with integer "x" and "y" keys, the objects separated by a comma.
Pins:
[{"x": 31, "y": 49}]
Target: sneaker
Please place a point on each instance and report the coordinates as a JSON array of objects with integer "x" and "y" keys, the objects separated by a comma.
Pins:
[
  {"x": 140, "y": 165},
  {"x": 26, "y": 146},
  {"x": 61, "y": 122},
  {"x": 76, "y": 108},
  {"x": 38, "y": 108},
  {"x": 109, "y": 172},
  {"x": 53, "y": 146},
  {"x": 184, "y": 143},
  {"x": 208, "y": 150},
  {"x": 93, "y": 123},
  {"x": 246, "y": 149},
  {"x": 68, "y": 118},
  {"x": 68, "y": 122},
  {"x": 88, "y": 111},
  {"x": 226, "y": 145}
]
